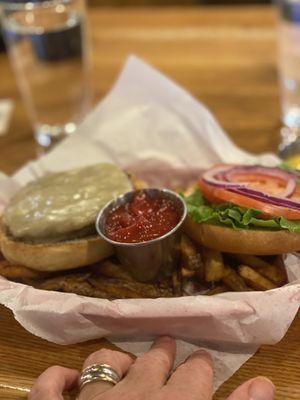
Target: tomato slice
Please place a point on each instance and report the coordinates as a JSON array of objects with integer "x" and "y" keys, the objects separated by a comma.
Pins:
[
  {"x": 296, "y": 195},
  {"x": 217, "y": 195},
  {"x": 265, "y": 183}
]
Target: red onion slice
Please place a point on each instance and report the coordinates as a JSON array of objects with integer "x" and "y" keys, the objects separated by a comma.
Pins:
[
  {"x": 212, "y": 177},
  {"x": 290, "y": 189},
  {"x": 265, "y": 198},
  {"x": 223, "y": 178},
  {"x": 290, "y": 178}
]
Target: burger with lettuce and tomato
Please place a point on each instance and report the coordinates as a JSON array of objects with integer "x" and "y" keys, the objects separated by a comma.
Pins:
[{"x": 246, "y": 209}]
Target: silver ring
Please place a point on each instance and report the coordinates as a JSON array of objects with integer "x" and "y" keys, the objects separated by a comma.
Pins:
[{"x": 98, "y": 372}]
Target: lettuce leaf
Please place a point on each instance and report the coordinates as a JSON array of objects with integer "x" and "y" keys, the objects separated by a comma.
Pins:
[{"x": 200, "y": 210}]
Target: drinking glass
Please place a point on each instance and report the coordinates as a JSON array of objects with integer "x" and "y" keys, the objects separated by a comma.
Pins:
[
  {"x": 289, "y": 72},
  {"x": 48, "y": 48}
]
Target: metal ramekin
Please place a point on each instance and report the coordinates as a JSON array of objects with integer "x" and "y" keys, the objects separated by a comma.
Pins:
[{"x": 153, "y": 259}]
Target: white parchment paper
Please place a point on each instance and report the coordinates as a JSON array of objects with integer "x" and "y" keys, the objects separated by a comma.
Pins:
[{"x": 157, "y": 130}]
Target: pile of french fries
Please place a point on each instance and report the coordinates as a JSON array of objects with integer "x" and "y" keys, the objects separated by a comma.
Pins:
[
  {"x": 201, "y": 271},
  {"x": 219, "y": 273}
]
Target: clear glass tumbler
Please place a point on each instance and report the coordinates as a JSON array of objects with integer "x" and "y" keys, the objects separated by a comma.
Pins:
[
  {"x": 48, "y": 48},
  {"x": 289, "y": 72}
]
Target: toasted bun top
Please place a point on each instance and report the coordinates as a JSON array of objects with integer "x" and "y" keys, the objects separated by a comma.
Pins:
[{"x": 242, "y": 241}]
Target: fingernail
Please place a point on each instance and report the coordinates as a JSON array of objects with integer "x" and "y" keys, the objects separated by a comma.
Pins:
[
  {"x": 203, "y": 354},
  {"x": 261, "y": 389},
  {"x": 164, "y": 339}
]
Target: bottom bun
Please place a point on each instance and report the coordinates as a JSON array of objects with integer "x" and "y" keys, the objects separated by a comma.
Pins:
[
  {"x": 256, "y": 242},
  {"x": 55, "y": 256}
]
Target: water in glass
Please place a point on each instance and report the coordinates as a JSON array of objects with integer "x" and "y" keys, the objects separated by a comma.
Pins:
[{"x": 49, "y": 54}]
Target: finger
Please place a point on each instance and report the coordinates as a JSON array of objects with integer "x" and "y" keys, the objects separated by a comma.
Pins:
[
  {"x": 152, "y": 369},
  {"x": 196, "y": 374},
  {"x": 53, "y": 382},
  {"x": 119, "y": 361},
  {"x": 259, "y": 388}
]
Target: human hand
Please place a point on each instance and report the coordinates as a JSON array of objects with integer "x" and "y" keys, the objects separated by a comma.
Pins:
[{"x": 147, "y": 378}]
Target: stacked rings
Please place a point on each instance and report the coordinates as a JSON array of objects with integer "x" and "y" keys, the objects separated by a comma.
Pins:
[{"x": 98, "y": 372}]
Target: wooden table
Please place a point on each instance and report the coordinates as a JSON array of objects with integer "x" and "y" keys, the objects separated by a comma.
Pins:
[{"x": 224, "y": 56}]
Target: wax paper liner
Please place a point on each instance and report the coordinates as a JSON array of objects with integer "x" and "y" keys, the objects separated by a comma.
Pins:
[{"x": 153, "y": 128}]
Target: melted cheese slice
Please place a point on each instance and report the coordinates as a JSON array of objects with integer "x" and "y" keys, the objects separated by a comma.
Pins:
[{"x": 59, "y": 205}]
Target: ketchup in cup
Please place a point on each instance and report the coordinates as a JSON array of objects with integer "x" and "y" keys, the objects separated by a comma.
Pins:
[
  {"x": 142, "y": 219},
  {"x": 144, "y": 229}
]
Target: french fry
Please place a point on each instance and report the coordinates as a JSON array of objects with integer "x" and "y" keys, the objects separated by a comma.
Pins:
[
  {"x": 187, "y": 273},
  {"x": 190, "y": 254},
  {"x": 19, "y": 272},
  {"x": 213, "y": 265},
  {"x": 217, "y": 290},
  {"x": 233, "y": 280},
  {"x": 190, "y": 190},
  {"x": 138, "y": 183},
  {"x": 191, "y": 257},
  {"x": 177, "y": 283},
  {"x": 109, "y": 269},
  {"x": 93, "y": 284},
  {"x": 254, "y": 279},
  {"x": 272, "y": 272},
  {"x": 116, "y": 289},
  {"x": 279, "y": 263}
]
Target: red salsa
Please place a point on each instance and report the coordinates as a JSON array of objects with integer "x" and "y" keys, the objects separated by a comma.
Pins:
[{"x": 143, "y": 218}]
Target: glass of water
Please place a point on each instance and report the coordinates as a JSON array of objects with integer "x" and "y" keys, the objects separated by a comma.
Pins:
[
  {"x": 47, "y": 44},
  {"x": 289, "y": 71}
]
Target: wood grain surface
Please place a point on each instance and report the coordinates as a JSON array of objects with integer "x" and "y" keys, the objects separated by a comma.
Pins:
[{"x": 226, "y": 56}]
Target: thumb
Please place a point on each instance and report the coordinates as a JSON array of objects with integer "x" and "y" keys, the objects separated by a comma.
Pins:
[
  {"x": 259, "y": 388},
  {"x": 51, "y": 384}
]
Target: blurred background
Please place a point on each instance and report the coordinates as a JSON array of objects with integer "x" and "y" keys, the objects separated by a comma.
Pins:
[
  {"x": 170, "y": 2},
  {"x": 225, "y": 52},
  {"x": 128, "y": 3}
]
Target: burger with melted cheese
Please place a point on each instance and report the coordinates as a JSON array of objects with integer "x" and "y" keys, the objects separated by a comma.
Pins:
[{"x": 50, "y": 224}]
